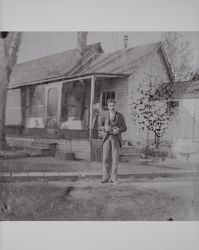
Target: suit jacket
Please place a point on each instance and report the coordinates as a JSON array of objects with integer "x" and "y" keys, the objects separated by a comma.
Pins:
[{"x": 118, "y": 122}]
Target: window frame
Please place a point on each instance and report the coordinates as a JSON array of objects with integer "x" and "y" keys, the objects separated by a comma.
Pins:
[{"x": 106, "y": 95}]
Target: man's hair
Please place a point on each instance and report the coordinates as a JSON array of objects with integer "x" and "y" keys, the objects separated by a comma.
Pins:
[{"x": 111, "y": 101}]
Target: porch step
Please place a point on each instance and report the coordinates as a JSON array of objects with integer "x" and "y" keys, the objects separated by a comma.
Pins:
[
  {"x": 33, "y": 152},
  {"x": 128, "y": 157},
  {"x": 32, "y": 147},
  {"x": 64, "y": 156},
  {"x": 128, "y": 150}
]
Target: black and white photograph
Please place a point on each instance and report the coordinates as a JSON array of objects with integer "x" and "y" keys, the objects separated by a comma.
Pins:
[{"x": 99, "y": 126}]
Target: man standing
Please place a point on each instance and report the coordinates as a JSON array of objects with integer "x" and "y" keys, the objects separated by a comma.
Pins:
[{"x": 111, "y": 126}]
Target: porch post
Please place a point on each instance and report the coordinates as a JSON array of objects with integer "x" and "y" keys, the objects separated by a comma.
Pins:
[
  {"x": 60, "y": 93},
  {"x": 91, "y": 105},
  {"x": 23, "y": 93}
]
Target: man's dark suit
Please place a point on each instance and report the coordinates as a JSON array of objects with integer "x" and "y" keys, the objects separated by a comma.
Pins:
[{"x": 111, "y": 143}]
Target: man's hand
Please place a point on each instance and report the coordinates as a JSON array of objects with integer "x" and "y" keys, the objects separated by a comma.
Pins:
[
  {"x": 116, "y": 131},
  {"x": 107, "y": 128}
]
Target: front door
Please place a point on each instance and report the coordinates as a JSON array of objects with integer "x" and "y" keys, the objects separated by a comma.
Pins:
[{"x": 53, "y": 102}]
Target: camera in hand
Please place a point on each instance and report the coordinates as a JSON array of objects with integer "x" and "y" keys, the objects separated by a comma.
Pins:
[{"x": 111, "y": 131}]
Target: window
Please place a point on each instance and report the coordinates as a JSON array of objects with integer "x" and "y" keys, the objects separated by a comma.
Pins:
[
  {"x": 173, "y": 107},
  {"x": 52, "y": 105},
  {"x": 105, "y": 97}
]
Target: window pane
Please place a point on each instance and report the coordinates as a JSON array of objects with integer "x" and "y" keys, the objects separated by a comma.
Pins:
[
  {"x": 113, "y": 95},
  {"x": 52, "y": 102},
  {"x": 105, "y": 97}
]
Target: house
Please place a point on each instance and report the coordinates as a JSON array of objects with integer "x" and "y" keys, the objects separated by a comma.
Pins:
[
  {"x": 184, "y": 126},
  {"x": 61, "y": 91}
]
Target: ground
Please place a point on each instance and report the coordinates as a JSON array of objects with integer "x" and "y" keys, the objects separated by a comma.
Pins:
[
  {"x": 148, "y": 194},
  {"x": 93, "y": 201}
]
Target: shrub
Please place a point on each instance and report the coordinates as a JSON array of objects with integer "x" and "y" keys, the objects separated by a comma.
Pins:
[
  {"x": 155, "y": 152},
  {"x": 52, "y": 123}
]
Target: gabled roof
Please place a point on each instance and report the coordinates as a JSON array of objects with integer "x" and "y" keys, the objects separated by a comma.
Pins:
[
  {"x": 93, "y": 61},
  {"x": 181, "y": 90},
  {"x": 64, "y": 63},
  {"x": 126, "y": 61}
]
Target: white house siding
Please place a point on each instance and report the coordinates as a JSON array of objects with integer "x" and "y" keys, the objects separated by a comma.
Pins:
[
  {"x": 137, "y": 81},
  {"x": 13, "y": 108},
  {"x": 127, "y": 91},
  {"x": 184, "y": 131},
  {"x": 185, "y": 124}
]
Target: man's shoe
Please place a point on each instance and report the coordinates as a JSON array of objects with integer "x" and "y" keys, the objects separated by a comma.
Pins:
[
  {"x": 115, "y": 182},
  {"x": 104, "y": 181},
  {"x": 110, "y": 181}
]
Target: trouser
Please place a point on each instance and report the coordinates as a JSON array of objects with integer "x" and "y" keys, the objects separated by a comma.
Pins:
[{"x": 111, "y": 149}]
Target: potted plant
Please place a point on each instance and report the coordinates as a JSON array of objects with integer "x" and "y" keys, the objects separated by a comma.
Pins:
[
  {"x": 161, "y": 153},
  {"x": 52, "y": 127}
]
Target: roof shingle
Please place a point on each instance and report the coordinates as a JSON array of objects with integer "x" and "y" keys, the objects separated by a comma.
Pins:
[
  {"x": 123, "y": 61},
  {"x": 56, "y": 65},
  {"x": 45, "y": 67},
  {"x": 69, "y": 63}
]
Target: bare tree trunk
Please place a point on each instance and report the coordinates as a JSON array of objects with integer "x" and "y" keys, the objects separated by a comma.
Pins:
[
  {"x": 8, "y": 52},
  {"x": 3, "y": 90}
]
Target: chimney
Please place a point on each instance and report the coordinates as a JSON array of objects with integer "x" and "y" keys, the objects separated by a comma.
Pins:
[
  {"x": 82, "y": 41},
  {"x": 125, "y": 41}
]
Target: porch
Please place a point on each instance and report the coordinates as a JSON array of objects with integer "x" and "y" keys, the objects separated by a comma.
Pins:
[{"x": 65, "y": 111}]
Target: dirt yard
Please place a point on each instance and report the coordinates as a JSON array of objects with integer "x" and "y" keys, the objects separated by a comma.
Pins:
[{"x": 94, "y": 201}]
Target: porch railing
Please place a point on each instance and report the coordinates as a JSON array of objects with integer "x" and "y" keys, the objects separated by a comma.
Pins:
[{"x": 49, "y": 133}]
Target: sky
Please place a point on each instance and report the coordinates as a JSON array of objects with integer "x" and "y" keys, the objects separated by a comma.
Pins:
[{"x": 39, "y": 44}]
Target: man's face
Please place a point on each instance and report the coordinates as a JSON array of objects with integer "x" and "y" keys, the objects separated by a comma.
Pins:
[{"x": 111, "y": 106}]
